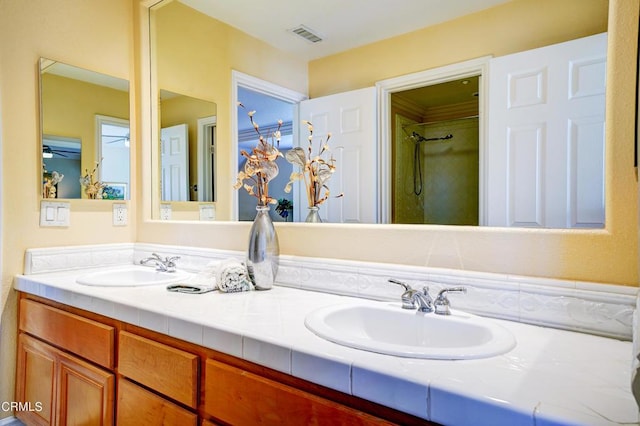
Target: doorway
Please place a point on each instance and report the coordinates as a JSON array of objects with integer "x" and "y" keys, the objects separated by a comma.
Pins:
[
  {"x": 435, "y": 154},
  {"x": 271, "y": 103},
  {"x": 402, "y": 113}
]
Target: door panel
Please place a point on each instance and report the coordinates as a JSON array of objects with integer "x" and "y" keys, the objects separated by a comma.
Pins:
[
  {"x": 545, "y": 150},
  {"x": 175, "y": 163},
  {"x": 350, "y": 117}
]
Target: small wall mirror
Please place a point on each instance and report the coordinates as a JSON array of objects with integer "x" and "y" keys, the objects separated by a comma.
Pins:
[
  {"x": 85, "y": 133},
  {"x": 187, "y": 147}
]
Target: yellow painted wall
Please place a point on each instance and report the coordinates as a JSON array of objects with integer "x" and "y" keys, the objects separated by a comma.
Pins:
[
  {"x": 97, "y": 35},
  {"x": 508, "y": 28}
]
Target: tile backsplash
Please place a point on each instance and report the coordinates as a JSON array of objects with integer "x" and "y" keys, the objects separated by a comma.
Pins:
[{"x": 579, "y": 306}]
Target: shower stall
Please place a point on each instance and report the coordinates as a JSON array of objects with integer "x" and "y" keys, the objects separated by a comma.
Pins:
[{"x": 436, "y": 171}]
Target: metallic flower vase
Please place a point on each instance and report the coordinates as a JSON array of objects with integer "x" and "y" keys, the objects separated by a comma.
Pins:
[
  {"x": 314, "y": 215},
  {"x": 264, "y": 250}
]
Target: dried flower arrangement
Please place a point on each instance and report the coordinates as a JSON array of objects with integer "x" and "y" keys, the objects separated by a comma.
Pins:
[
  {"x": 50, "y": 181},
  {"x": 92, "y": 187},
  {"x": 314, "y": 169},
  {"x": 260, "y": 167}
]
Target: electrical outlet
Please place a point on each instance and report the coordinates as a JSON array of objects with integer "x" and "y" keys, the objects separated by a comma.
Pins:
[
  {"x": 119, "y": 214},
  {"x": 165, "y": 211}
]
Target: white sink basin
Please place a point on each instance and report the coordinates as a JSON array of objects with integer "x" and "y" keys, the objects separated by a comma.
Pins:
[
  {"x": 130, "y": 276},
  {"x": 391, "y": 330}
]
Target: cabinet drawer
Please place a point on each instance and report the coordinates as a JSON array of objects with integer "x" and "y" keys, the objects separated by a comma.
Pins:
[
  {"x": 86, "y": 338},
  {"x": 138, "y": 406},
  {"x": 170, "y": 371},
  {"x": 237, "y": 396}
]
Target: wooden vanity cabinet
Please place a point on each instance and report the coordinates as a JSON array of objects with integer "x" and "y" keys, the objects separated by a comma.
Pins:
[
  {"x": 86, "y": 369},
  {"x": 55, "y": 386}
]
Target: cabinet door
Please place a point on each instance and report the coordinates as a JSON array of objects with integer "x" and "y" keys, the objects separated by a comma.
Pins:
[
  {"x": 85, "y": 393},
  {"x": 35, "y": 382},
  {"x": 56, "y": 388}
]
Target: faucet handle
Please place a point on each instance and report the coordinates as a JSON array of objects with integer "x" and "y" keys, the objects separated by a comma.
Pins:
[
  {"x": 407, "y": 295},
  {"x": 404, "y": 285},
  {"x": 442, "y": 303}
]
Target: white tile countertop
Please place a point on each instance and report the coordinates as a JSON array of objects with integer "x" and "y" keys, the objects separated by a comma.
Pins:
[{"x": 551, "y": 377}]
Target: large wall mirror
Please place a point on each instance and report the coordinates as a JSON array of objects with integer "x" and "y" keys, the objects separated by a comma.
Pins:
[
  {"x": 85, "y": 133},
  {"x": 436, "y": 166}
]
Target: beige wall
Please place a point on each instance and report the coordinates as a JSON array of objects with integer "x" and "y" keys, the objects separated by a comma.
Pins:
[{"x": 96, "y": 35}]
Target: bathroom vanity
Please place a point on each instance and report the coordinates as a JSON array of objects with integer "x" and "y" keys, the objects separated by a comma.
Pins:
[{"x": 131, "y": 354}]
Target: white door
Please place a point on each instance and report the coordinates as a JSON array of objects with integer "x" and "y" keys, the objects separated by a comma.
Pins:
[
  {"x": 174, "y": 147},
  {"x": 350, "y": 117},
  {"x": 545, "y": 147}
]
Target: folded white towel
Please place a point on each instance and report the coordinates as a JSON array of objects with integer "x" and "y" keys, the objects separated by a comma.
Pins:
[
  {"x": 205, "y": 279},
  {"x": 232, "y": 276}
]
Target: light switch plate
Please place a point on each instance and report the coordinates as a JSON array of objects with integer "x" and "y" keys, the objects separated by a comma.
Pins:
[
  {"x": 120, "y": 214},
  {"x": 54, "y": 213}
]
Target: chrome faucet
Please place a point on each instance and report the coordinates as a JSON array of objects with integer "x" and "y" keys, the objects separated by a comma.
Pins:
[
  {"x": 412, "y": 298},
  {"x": 441, "y": 304},
  {"x": 168, "y": 264}
]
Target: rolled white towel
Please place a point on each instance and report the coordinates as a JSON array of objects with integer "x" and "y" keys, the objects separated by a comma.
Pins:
[{"x": 232, "y": 277}]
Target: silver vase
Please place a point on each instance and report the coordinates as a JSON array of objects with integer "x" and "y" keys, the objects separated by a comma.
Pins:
[
  {"x": 264, "y": 250},
  {"x": 314, "y": 215}
]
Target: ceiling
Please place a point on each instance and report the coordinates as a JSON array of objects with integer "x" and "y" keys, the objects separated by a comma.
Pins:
[{"x": 341, "y": 24}]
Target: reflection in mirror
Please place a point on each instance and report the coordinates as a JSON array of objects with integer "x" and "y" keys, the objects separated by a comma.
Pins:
[
  {"x": 268, "y": 110},
  {"x": 437, "y": 133},
  {"x": 463, "y": 180},
  {"x": 61, "y": 156},
  {"x": 85, "y": 133},
  {"x": 187, "y": 148}
]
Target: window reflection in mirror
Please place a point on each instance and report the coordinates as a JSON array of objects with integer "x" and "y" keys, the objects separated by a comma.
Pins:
[
  {"x": 187, "y": 147},
  {"x": 268, "y": 110},
  {"x": 85, "y": 133}
]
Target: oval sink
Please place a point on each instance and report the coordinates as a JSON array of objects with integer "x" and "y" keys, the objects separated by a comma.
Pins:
[
  {"x": 395, "y": 331},
  {"x": 130, "y": 276}
]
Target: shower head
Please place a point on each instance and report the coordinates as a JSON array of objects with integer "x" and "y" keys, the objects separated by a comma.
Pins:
[{"x": 419, "y": 138}]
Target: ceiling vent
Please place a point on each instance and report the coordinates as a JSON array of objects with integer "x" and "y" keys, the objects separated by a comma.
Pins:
[{"x": 307, "y": 34}]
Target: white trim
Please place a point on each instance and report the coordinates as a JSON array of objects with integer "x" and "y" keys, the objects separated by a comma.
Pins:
[
  {"x": 385, "y": 88},
  {"x": 204, "y": 159},
  {"x": 239, "y": 79}
]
